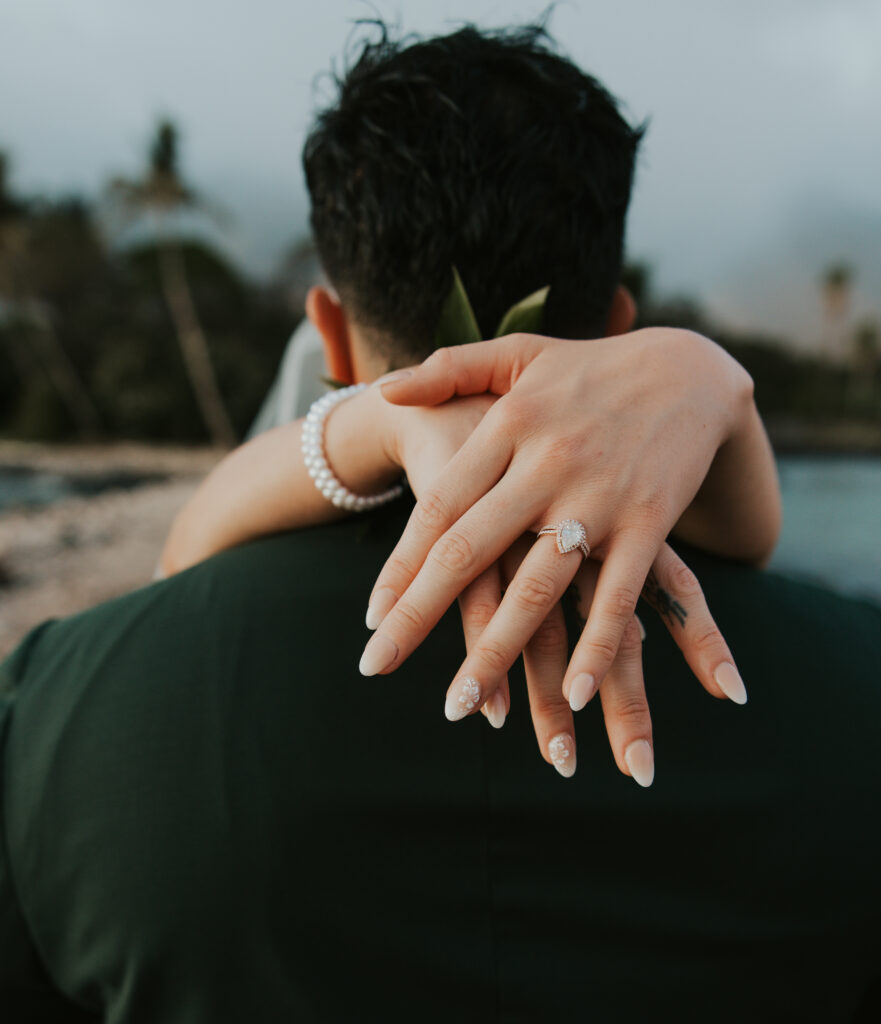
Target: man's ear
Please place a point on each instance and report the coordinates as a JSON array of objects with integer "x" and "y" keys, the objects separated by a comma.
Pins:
[
  {"x": 622, "y": 315},
  {"x": 329, "y": 318}
]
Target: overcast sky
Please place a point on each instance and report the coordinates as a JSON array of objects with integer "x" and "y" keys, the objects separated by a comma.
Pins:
[{"x": 762, "y": 163}]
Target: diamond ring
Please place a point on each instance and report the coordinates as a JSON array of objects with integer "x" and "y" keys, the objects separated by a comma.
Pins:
[{"x": 571, "y": 536}]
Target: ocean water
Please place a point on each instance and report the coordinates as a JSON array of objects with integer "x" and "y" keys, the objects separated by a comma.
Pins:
[
  {"x": 831, "y": 519},
  {"x": 23, "y": 487}
]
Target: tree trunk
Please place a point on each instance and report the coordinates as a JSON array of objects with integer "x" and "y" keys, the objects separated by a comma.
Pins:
[
  {"x": 194, "y": 347},
  {"x": 66, "y": 380},
  {"x": 36, "y": 347}
]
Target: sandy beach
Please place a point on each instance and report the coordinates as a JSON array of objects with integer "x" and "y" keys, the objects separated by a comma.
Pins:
[{"x": 63, "y": 557}]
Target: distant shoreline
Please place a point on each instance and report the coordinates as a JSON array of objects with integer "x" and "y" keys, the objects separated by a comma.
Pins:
[
  {"x": 790, "y": 436},
  {"x": 79, "y": 549},
  {"x": 65, "y": 555}
]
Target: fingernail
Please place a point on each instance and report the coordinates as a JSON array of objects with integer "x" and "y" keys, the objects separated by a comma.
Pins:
[
  {"x": 562, "y": 752},
  {"x": 380, "y": 605},
  {"x": 581, "y": 690},
  {"x": 379, "y": 653},
  {"x": 391, "y": 378},
  {"x": 730, "y": 683},
  {"x": 495, "y": 710},
  {"x": 641, "y": 628},
  {"x": 640, "y": 761},
  {"x": 462, "y": 698}
]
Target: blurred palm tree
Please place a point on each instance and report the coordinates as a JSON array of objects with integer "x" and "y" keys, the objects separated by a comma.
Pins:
[
  {"x": 163, "y": 195},
  {"x": 9, "y": 205},
  {"x": 867, "y": 363},
  {"x": 836, "y": 285},
  {"x": 867, "y": 346},
  {"x": 23, "y": 306}
]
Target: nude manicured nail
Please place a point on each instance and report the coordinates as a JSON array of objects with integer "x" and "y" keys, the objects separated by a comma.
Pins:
[
  {"x": 380, "y": 605},
  {"x": 581, "y": 690},
  {"x": 641, "y": 628},
  {"x": 640, "y": 760},
  {"x": 391, "y": 378},
  {"x": 562, "y": 752},
  {"x": 730, "y": 683},
  {"x": 379, "y": 653},
  {"x": 495, "y": 710},
  {"x": 462, "y": 698}
]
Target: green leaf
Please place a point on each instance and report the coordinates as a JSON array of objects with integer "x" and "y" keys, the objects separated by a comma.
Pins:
[
  {"x": 457, "y": 324},
  {"x": 526, "y": 316}
]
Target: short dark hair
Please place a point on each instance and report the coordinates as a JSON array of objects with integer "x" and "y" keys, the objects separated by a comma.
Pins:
[{"x": 485, "y": 150}]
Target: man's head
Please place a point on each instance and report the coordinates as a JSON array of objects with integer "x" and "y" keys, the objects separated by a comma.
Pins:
[{"x": 483, "y": 150}]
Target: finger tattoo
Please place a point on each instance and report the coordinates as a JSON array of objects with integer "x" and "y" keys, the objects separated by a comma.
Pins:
[{"x": 662, "y": 601}]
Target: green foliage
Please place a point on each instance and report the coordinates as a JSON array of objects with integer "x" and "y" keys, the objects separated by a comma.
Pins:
[
  {"x": 37, "y": 413},
  {"x": 458, "y": 324},
  {"x": 789, "y": 385},
  {"x": 109, "y": 314},
  {"x": 837, "y": 276},
  {"x": 526, "y": 316},
  {"x": 109, "y": 320},
  {"x": 163, "y": 150}
]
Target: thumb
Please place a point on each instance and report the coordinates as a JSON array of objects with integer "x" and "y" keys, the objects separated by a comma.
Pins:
[{"x": 483, "y": 366}]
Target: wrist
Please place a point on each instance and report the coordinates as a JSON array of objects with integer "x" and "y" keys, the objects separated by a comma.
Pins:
[
  {"x": 356, "y": 443},
  {"x": 388, "y": 419}
]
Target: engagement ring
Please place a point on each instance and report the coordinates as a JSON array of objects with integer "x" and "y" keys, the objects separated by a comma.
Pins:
[{"x": 570, "y": 534}]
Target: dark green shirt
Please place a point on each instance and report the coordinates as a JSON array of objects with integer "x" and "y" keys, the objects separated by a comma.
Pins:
[{"x": 208, "y": 815}]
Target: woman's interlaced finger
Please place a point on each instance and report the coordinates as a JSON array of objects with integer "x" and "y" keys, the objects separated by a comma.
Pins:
[
  {"x": 537, "y": 586},
  {"x": 625, "y": 707},
  {"x": 544, "y": 662},
  {"x": 469, "y": 475},
  {"x": 478, "y": 602},
  {"x": 479, "y": 538},
  {"x": 620, "y": 582},
  {"x": 626, "y": 710},
  {"x": 674, "y": 592}
]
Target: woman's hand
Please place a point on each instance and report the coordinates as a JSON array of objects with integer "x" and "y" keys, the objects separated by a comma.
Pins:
[
  {"x": 423, "y": 441},
  {"x": 677, "y": 596},
  {"x": 618, "y": 434}
]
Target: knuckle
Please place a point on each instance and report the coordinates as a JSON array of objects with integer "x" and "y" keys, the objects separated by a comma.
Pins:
[
  {"x": 631, "y": 708},
  {"x": 432, "y": 512},
  {"x": 517, "y": 413},
  {"x": 494, "y": 657},
  {"x": 631, "y": 640},
  {"x": 440, "y": 362},
  {"x": 685, "y": 581},
  {"x": 604, "y": 647},
  {"x": 409, "y": 617},
  {"x": 708, "y": 640},
  {"x": 479, "y": 612},
  {"x": 563, "y": 451},
  {"x": 454, "y": 553},
  {"x": 652, "y": 513},
  {"x": 535, "y": 593},
  {"x": 396, "y": 568},
  {"x": 547, "y": 704},
  {"x": 550, "y": 638},
  {"x": 621, "y": 602}
]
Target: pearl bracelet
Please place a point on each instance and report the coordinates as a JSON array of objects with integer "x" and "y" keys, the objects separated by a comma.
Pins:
[{"x": 312, "y": 443}]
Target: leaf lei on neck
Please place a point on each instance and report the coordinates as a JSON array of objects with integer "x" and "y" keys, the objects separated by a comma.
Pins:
[{"x": 458, "y": 324}]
